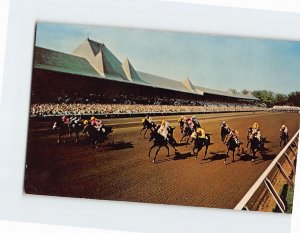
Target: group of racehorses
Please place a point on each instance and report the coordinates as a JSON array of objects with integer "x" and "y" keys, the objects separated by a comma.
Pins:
[
  {"x": 256, "y": 144},
  {"x": 160, "y": 141},
  {"x": 96, "y": 136}
]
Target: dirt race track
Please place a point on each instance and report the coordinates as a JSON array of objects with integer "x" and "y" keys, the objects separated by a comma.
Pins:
[{"x": 121, "y": 170}]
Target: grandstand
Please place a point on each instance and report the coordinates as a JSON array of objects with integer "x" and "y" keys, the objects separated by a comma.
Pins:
[{"x": 93, "y": 74}]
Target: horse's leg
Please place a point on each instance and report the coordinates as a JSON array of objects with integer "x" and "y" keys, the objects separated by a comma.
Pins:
[
  {"x": 226, "y": 156},
  {"x": 76, "y": 140},
  {"x": 198, "y": 150},
  {"x": 151, "y": 150},
  {"x": 233, "y": 155},
  {"x": 145, "y": 132},
  {"x": 187, "y": 141},
  {"x": 182, "y": 138},
  {"x": 206, "y": 148},
  {"x": 168, "y": 150},
  {"x": 253, "y": 155},
  {"x": 156, "y": 154},
  {"x": 142, "y": 130}
]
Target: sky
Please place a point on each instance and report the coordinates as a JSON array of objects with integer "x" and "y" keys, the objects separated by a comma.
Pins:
[{"x": 218, "y": 62}]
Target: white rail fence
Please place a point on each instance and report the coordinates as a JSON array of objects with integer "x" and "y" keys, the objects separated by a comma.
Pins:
[{"x": 264, "y": 177}]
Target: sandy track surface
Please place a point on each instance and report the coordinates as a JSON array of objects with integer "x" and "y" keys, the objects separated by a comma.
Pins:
[{"x": 120, "y": 169}]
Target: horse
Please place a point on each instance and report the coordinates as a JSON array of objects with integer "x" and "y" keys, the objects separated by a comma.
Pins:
[
  {"x": 257, "y": 145},
  {"x": 160, "y": 141},
  {"x": 76, "y": 128},
  {"x": 232, "y": 144},
  {"x": 284, "y": 138},
  {"x": 61, "y": 128},
  {"x": 97, "y": 136},
  {"x": 200, "y": 143},
  {"x": 224, "y": 133},
  {"x": 187, "y": 132},
  {"x": 147, "y": 125}
]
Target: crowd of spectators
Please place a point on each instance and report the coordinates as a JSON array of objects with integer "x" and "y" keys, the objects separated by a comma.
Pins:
[
  {"x": 94, "y": 109},
  {"x": 133, "y": 103}
]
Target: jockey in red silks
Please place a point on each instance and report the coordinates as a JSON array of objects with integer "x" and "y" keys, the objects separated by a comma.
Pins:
[
  {"x": 190, "y": 122},
  {"x": 97, "y": 123},
  {"x": 65, "y": 119}
]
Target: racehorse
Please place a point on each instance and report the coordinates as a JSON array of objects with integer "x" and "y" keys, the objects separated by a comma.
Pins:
[
  {"x": 159, "y": 141},
  {"x": 75, "y": 127},
  {"x": 284, "y": 138},
  {"x": 97, "y": 136},
  {"x": 187, "y": 132},
  {"x": 231, "y": 144},
  {"x": 61, "y": 128},
  {"x": 200, "y": 143},
  {"x": 224, "y": 133},
  {"x": 147, "y": 125},
  {"x": 257, "y": 145}
]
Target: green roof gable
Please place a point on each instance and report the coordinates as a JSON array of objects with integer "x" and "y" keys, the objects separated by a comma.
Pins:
[{"x": 62, "y": 62}]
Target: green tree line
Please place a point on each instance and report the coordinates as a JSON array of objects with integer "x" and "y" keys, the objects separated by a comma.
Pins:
[{"x": 270, "y": 98}]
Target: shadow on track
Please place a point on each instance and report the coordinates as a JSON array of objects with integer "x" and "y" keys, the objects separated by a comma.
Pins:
[{"x": 119, "y": 145}]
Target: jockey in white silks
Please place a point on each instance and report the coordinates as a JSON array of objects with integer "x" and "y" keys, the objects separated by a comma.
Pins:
[
  {"x": 284, "y": 129},
  {"x": 256, "y": 131},
  {"x": 163, "y": 129}
]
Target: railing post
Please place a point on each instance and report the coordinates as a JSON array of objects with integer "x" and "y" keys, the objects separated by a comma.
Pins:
[
  {"x": 275, "y": 195},
  {"x": 291, "y": 183},
  {"x": 290, "y": 162}
]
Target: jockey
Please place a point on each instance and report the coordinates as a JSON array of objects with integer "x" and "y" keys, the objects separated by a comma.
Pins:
[
  {"x": 163, "y": 129},
  {"x": 256, "y": 131},
  {"x": 234, "y": 134},
  {"x": 85, "y": 122},
  {"x": 190, "y": 122},
  {"x": 148, "y": 118},
  {"x": 284, "y": 129},
  {"x": 65, "y": 119},
  {"x": 224, "y": 125},
  {"x": 181, "y": 119},
  {"x": 97, "y": 123},
  {"x": 195, "y": 122},
  {"x": 200, "y": 133},
  {"x": 74, "y": 119}
]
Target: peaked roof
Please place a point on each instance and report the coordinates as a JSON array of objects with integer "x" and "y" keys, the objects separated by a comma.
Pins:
[
  {"x": 57, "y": 61},
  {"x": 130, "y": 72},
  {"x": 90, "y": 55},
  {"x": 187, "y": 83}
]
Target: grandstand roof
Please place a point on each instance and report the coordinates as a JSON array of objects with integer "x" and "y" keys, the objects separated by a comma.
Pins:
[
  {"x": 57, "y": 61},
  {"x": 130, "y": 72},
  {"x": 158, "y": 81},
  {"x": 94, "y": 59}
]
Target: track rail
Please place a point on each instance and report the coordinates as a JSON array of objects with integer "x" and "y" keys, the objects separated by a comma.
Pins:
[{"x": 264, "y": 177}]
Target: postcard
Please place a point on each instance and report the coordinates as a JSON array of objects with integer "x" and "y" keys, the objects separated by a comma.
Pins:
[{"x": 163, "y": 117}]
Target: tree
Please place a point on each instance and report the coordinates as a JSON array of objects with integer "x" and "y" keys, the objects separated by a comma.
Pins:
[
  {"x": 294, "y": 98},
  {"x": 281, "y": 99},
  {"x": 265, "y": 96}
]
